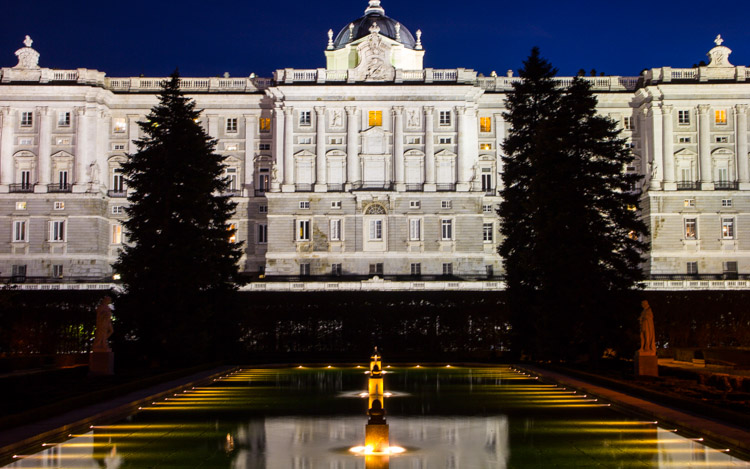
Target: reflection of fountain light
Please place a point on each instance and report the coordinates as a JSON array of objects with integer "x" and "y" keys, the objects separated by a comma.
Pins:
[{"x": 368, "y": 450}]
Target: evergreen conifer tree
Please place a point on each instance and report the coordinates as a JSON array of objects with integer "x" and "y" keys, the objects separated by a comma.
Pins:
[
  {"x": 179, "y": 266},
  {"x": 570, "y": 241}
]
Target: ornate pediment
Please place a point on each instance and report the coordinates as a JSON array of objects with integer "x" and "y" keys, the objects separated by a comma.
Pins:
[
  {"x": 445, "y": 154},
  {"x": 62, "y": 155},
  {"x": 24, "y": 154},
  {"x": 414, "y": 154},
  {"x": 304, "y": 154},
  {"x": 722, "y": 152},
  {"x": 374, "y": 58},
  {"x": 336, "y": 154},
  {"x": 685, "y": 153},
  {"x": 374, "y": 141}
]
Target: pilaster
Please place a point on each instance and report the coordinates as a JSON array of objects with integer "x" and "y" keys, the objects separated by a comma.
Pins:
[
  {"x": 499, "y": 139},
  {"x": 101, "y": 176},
  {"x": 352, "y": 146},
  {"x": 82, "y": 149},
  {"x": 704, "y": 147},
  {"x": 6, "y": 148},
  {"x": 429, "y": 149},
  {"x": 668, "y": 147},
  {"x": 743, "y": 170},
  {"x": 45, "y": 149},
  {"x": 287, "y": 184},
  {"x": 251, "y": 124},
  {"x": 657, "y": 148},
  {"x": 398, "y": 147},
  {"x": 320, "y": 149},
  {"x": 277, "y": 169}
]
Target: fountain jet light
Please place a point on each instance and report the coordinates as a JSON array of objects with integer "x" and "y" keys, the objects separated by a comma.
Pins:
[{"x": 376, "y": 431}]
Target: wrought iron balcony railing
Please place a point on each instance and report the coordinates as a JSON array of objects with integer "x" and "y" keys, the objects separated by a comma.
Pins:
[
  {"x": 372, "y": 186},
  {"x": 23, "y": 187},
  {"x": 688, "y": 185},
  {"x": 726, "y": 185},
  {"x": 59, "y": 187},
  {"x": 117, "y": 193}
]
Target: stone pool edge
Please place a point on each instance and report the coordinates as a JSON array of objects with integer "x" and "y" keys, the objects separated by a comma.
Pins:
[
  {"x": 29, "y": 438},
  {"x": 733, "y": 437}
]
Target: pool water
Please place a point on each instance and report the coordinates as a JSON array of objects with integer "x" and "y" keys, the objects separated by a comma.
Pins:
[{"x": 445, "y": 417}]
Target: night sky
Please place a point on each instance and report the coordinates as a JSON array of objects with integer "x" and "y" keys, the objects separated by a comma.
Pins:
[{"x": 207, "y": 38}]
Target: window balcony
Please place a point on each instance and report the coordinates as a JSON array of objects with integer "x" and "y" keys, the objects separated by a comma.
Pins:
[
  {"x": 23, "y": 187},
  {"x": 688, "y": 185},
  {"x": 445, "y": 187},
  {"x": 232, "y": 192},
  {"x": 260, "y": 192},
  {"x": 726, "y": 185},
  {"x": 303, "y": 187},
  {"x": 116, "y": 193},
  {"x": 414, "y": 187},
  {"x": 59, "y": 188},
  {"x": 372, "y": 186},
  {"x": 489, "y": 191}
]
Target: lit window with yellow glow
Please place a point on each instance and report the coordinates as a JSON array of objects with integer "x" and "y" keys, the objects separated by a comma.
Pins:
[
  {"x": 485, "y": 146},
  {"x": 232, "y": 229},
  {"x": 375, "y": 118},
  {"x": 264, "y": 124},
  {"x": 485, "y": 124},
  {"x": 116, "y": 234},
  {"x": 691, "y": 228},
  {"x": 721, "y": 116},
  {"x": 631, "y": 207}
]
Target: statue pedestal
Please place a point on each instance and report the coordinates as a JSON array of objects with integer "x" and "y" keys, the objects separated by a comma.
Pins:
[
  {"x": 102, "y": 363},
  {"x": 376, "y": 435},
  {"x": 646, "y": 364}
]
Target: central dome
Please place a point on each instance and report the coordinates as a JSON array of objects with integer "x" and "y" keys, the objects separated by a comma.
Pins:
[{"x": 360, "y": 28}]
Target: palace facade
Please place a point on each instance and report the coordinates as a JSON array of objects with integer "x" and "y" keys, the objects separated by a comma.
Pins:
[{"x": 371, "y": 166}]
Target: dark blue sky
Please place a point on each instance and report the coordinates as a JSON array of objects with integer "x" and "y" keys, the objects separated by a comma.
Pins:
[{"x": 210, "y": 37}]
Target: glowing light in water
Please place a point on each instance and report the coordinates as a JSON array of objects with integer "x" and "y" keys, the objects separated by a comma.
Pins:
[{"x": 368, "y": 450}]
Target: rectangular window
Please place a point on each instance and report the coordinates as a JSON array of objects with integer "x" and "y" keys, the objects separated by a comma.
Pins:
[
  {"x": 264, "y": 124},
  {"x": 335, "y": 234},
  {"x": 627, "y": 123},
  {"x": 336, "y": 270},
  {"x": 119, "y": 125},
  {"x": 231, "y": 147},
  {"x": 63, "y": 119},
  {"x": 262, "y": 208},
  {"x": 304, "y": 270},
  {"x": 116, "y": 234},
  {"x": 376, "y": 230},
  {"x": 57, "y": 230},
  {"x": 26, "y": 180},
  {"x": 683, "y": 139},
  {"x": 375, "y": 118},
  {"x": 485, "y": 146},
  {"x": 27, "y": 119},
  {"x": 336, "y": 141},
  {"x": 446, "y": 229},
  {"x": 264, "y": 182},
  {"x": 416, "y": 269},
  {"x": 683, "y": 117},
  {"x": 57, "y": 271},
  {"x": 18, "y": 272},
  {"x": 445, "y": 140},
  {"x": 231, "y": 125},
  {"x": 489, "y": 270},
  {"x": 487, "y": 184},
  {"x": 727, "y": 228},
  {"x": 722, "y": 139},
  {"x": 692, "y": 268},
  {"x": 689, "y": 202},
  {"x": 59, "y": 205},
  {"x": 487, "y": 232},
  {"x": 336, "y": 204},
  {"x": 20, "y": 205},
  {"x": 413, "y": 140},
  {"x": 487, "y": 208},
  {"x": 118, "y": 210},
  {"x": 720, "y": 116},
  {"x": 485, "y": 124},
  {"x": 447, "y": 268},
  {"x": 25, "y": 141},
  {"x": 414, "y": 204},
  {"x": 686, "y": 175},
  {"x": 262, "y": 233},
  {"x": 19, "y": 231},
  {"x": 115, "y": 146},
  {"x": 376, "y": 269},
  {"x": 118, "y": 180},
  {"x": 445, "y": 118},
  {"x": 230, "y": 174},
  {"x": 304, "y": 140},
  {"x": 305, "y": 118},
  {"x": 264, "y": 146},
  {"x": 726, "y": 202},
  {"x": 232, "y": 230},
  {"x": 730, "y": 269},
  {"x": 446, "y": 204},
  {"x": 304, "y": 205},
  {"x": 303, "y": 230},
  {"x": 415, "y": 229},
  {"x": 691, "y": 228},
  {"x": 723, "y": 174}
]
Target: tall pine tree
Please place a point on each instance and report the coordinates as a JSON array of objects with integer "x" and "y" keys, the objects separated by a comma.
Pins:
[
  {"x": 571, "y": 244},
  {"x": 179, "y": 267}
]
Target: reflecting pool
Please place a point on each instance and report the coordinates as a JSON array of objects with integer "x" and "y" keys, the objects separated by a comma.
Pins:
[{"x": 444, "y": 417}]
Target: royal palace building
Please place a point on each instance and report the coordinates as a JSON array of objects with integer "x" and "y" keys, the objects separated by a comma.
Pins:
[{"x": 371, "y": 166}]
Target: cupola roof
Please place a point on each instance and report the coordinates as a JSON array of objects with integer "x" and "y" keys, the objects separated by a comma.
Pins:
[{"x": 362, "y": 27}]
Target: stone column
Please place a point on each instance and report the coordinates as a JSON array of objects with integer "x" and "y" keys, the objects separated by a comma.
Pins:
[
  {"x": 320, "y": 150},
  {"x": 657, "y": 149},
  {"x": 499, "y": 139},
  {"x": 398, "y": 147},
  {"x": 743, "y": 170},
  {"x": 467, "y": 146},
  {"x": 429, "y": 149},
  {"x": 44, "y": 172},
  {"x": 642, "y": 130},
  {"x": 251, "y": 124},
  {"x": 704, "y": 147},
  {"x": 132, "y": 133},
  {"x": 668, "y": 147},
  {"x": 6, "y": 148},
  {"x": 288, "y": 183},
  {"x": 83, "y": 133},
  {"x": 277, "y": 171},
  {"x": 352, "y": 146}
]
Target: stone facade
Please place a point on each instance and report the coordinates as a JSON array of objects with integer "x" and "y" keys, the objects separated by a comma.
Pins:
[{"x": 383, "y": 168}]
